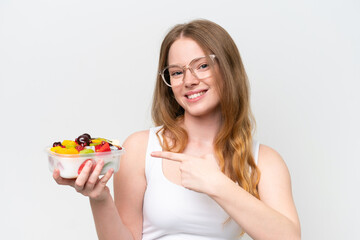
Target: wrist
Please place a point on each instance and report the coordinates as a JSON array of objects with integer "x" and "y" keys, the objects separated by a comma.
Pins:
[
  {"x": 218, "y": 183},
  {"x": 101, "y": 199}
]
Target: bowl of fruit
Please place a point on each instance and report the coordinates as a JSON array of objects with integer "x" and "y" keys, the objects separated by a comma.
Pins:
[{"x": 71, "y": 156}]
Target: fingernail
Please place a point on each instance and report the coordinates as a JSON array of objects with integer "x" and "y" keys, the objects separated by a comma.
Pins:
[{"x": 88, "y": 163}]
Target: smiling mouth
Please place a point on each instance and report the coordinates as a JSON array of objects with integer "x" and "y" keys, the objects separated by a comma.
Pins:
[{"x": 195, "y": 95}]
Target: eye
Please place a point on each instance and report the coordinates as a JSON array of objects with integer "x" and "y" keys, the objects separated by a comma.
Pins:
[
  {"x": 176, "y": 73},
  {"x": 204, "y": 66}
]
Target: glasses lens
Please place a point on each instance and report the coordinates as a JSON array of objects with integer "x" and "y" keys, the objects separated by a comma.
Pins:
[
  {"x": 201, "y": 67},
  {"x": 165, "y": 76},
  {"x": 173, "y": 75}
]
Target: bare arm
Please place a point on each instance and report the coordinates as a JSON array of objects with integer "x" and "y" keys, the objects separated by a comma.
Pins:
[
  {"x": 130, "y": 183},
  {"x": 120, "y": 219},
  {"x": 109, "y": 225},
  {"x": 272, "y": 217},
  {"x": 107, "y": 220}
]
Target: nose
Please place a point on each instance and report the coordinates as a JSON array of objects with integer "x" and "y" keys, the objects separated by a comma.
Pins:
[{"x": 189, "y": 78}]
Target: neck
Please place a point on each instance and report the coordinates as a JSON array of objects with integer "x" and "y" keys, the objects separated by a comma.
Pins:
[{"x": 202, "y": 129}]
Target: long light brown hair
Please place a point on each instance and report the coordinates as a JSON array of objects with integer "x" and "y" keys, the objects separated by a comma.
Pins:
[{"x": 233, "y": 143}]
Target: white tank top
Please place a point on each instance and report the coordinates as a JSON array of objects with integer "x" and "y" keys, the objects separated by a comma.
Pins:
[{"x": 173, "y": 212}]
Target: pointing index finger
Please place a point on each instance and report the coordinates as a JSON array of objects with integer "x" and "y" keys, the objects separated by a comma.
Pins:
[{"x": 178, "y": 157}]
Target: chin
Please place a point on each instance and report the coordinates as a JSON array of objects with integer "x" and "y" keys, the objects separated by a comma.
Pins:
[{"x": 202, "y": 112}]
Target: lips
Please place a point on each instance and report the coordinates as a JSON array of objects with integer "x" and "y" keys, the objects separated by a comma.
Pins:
[{"x": 193, "y": 95}]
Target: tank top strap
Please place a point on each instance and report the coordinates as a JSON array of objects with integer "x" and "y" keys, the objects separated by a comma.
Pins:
[{"x": 153, "y": 145}]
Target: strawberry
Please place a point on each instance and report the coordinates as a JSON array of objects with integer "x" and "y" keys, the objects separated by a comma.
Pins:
[
  {"x": 104, "y": 147},
  {"x": 79, "y": 148},
  {"x": 83, "y": 165}
]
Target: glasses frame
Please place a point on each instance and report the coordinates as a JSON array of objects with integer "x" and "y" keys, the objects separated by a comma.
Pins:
[{"x": 184, "y": 68}]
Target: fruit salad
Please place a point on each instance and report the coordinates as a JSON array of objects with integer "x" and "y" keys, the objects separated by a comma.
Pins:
[{"x": 70, "y": 156}]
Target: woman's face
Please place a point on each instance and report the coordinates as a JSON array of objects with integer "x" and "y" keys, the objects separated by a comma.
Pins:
[{"x": 199, "y": 98}]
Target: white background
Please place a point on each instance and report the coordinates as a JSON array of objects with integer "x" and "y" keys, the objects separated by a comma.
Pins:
[{"x": 74, "y": 66}]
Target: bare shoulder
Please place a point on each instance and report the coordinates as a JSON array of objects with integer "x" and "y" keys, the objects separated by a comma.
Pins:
[
  {"x": 273, "y": 171},
  {"x": 132, "y": 164},
  {"x": 133, "y": 160},
  {"x": 270, "y": 160},
  {"x": 135, "y": 147},
  {"x": 275, "y": 183},
  {"x": 137, "y": 141}
]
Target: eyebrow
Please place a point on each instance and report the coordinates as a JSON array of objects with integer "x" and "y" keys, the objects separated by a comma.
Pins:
[{"x": 180, "y": 65}]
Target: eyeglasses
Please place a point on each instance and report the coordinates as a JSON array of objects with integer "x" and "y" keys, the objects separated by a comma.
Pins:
[{"x": 200, "y": 68}]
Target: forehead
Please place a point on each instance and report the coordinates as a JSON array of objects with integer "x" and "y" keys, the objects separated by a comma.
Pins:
[{"x": 183, "y": 50}]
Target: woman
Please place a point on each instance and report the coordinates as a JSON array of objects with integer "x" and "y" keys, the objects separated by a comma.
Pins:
[{"x": 198, "y": 174}]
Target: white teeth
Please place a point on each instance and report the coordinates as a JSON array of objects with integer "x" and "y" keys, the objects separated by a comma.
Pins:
[{"x": 192, "y": 96}]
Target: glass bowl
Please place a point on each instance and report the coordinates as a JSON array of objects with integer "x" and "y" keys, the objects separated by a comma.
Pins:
[{"x": 70, "y": 165}]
